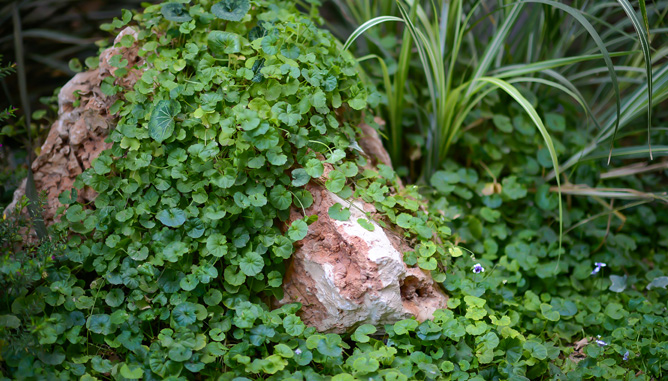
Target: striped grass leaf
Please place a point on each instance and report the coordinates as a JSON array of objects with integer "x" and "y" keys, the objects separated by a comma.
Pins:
[
  {"x": 495, "y": 45},
  {"x": 632, "y": 106},
  {"x": 642, "y": 32},
  {"x": 577, "y": 14},
  {"x": 524, "y": 69},
  {"x": 366, "y": 26},
  {"x": 538, "y": 122}
]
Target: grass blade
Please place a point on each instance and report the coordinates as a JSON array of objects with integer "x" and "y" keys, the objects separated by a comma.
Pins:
[
  {"x": 524, "y": 69},
  {"x": 533, "y": 114},
  {"x": 577, "y": 14},
  {"x": 495, "y": 45},
  {"x": 643, "y": 12},
  {"x": 632, "y": 106},
  {"x": 642, "y": 32},
  {"x": 366, "y": 26}
]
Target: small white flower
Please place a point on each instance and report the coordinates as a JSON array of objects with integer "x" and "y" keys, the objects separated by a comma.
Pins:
[
  {"x": 298, "y": 351},
  {"x": 597, "y": 268},
  {"x": 601, "y": 343},
  {"x": 477, "y": 268}
]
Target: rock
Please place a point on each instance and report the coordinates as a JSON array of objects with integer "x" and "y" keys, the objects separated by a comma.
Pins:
[
  {"x": 372, "y": 145},
  {"x": 345, "y": 275},
  {"x": 77, "y": 137}
]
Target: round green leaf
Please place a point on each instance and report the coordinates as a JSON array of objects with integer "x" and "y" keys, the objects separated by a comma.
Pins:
[
  {"x": 280, "y": 197},
  {"x": 184, "y": 314},
  {"x": 224, "y": 43},
  {"x": 293, "y": 325},
  {"x": 537, "y": 350},
  {"x": 213, "y": 297},
  {"x": 300, "y": 177},
  {"x": 175, "y": 12},
  {"x": 231, "y": 10},
  {"x": 298, "y": 230},
  {"x": 114, "y": 297},
  {"x": 282, "y": 247},
  {"x": 161, "y": 125},
  {"x": 180, "y": 353},
  {"x": 362, "y": 331},
  {"x": 336, "y": 182},
  {"x": 132, "y": 372},
  {"x": 251, "y": 264},
  {"x": 172, "y": 217},
  {"x": 338, "y": 212}
]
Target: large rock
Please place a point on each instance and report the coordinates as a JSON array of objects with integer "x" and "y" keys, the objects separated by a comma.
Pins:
[
  {"x": 78, "y": 136},
  {"x": 345, "y": 275}
]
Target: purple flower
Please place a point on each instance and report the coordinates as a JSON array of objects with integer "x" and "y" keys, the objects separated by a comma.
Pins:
[
  {"x": 53, "y": 257},
  {"x": 600, "y": 342},
  {"x": 598, "y": 267},
  {"x": 298, "y": 351},
  {"x": 477, "y": 268},
  {"x": 626, "y": 356}
]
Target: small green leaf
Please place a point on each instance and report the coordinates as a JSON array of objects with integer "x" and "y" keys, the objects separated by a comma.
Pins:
[
  {"x": 231, "y": 10},
  {"x": 338, "y": 212},
  {"x": 362, "y": 331},
  {"x": 9, "y": 321},
  {"x": 298, "y": 230},
  {"x": 314, "y": 168},
  {"x": 180, "y": 353},
  {"x": 175, "y": 12},
  {"x": 615, "y": 311},
  {"x": 171, "y": 217},
  {"x": 402, "y": 327},
  {"x": 284, "y": 351},
  {"x": 224, "y": 43},
  {"x": 282, "y": 247},
  {"x": 548, "y": 312},
  {"x": 68, "y": 197},
  {"x": 217, "y": 245},
  {"x": 213, "y": 297},
  {"x": 428, "y": 264},
  {"x": 300, "y": 177},
  {"x": 503, "y": 123},
  {"x": 114, "y": 297},
  {"x": 537, "y": 350},
  {"x": 132, "y": 372},
  {"x": 161, "y": 125},
  {"x": 368, "y": 225},
  {"x": 75, "y": 65},
  {"x": 335, "y": 182},
  {"x": 75, "y": 213},
  {"x": 293, "y": 325},
  {"x": 251, "y": 264},
  {"x": 184, "y": 314},
  {"x": 280, "y": 198}
]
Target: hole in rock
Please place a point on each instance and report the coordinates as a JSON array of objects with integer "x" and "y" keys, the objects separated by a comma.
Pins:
[{"x": 412, "y": 288}]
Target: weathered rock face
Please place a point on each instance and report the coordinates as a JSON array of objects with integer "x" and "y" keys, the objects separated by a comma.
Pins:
[
  {"x": 345, "y": 275},
  {"x": 77, "y": 137}
]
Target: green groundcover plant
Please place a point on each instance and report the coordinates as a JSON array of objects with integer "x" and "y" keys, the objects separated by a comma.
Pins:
[{"x": 170, "y": 273}]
